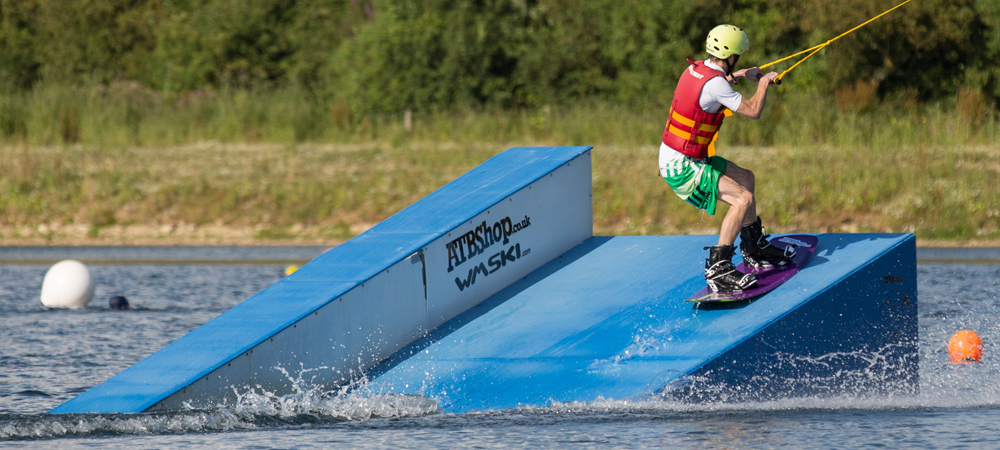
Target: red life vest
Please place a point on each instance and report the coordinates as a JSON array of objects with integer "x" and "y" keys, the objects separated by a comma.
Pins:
[{"x": 690, "y": 130}]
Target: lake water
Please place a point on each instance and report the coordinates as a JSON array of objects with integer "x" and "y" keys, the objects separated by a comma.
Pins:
[{"x": 50, "y": 356}]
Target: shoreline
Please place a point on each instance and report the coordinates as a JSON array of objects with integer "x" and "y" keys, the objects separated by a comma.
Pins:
[
  {"x": 301, "y": 254},
  {"x": 219, "y": 235},
  {"x": 219, "y": 244},
  {"x": 223, "y": 236}
]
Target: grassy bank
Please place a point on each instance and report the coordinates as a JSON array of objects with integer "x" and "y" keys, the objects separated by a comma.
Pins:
[
  {"x": 125, "y": 165},
  {"x": 241, "y": 193}
]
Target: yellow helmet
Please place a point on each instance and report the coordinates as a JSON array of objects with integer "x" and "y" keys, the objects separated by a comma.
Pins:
[{"x": 726, "y": 40}]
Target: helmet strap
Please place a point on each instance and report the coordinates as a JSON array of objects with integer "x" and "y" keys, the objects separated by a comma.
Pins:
[{"x": 731, "y": 66}]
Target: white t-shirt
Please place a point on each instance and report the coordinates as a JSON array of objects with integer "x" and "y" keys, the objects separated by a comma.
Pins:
[{"x": 716, "y": 94}]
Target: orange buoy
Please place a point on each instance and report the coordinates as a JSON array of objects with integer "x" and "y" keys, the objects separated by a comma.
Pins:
[{"x": 965, "y": 346}]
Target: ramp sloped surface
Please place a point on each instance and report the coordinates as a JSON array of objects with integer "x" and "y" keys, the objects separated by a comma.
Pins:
[{"x": 607, "y": 320}]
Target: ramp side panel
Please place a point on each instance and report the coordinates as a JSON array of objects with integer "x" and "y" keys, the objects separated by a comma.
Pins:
[
  {"x": 226, "y": 343},
  {"x": 509, "y": 240},
  {"x": 857, "y": 337},
  {"x": 193, "y": 356},
  {"x": 322, "y": 349},
  {"x": 608, "y": 322}
]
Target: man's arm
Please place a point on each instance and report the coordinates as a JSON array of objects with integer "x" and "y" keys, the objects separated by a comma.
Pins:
[
  {"x": 753, "y": 106},
  {"x": 735, "y": 76}
]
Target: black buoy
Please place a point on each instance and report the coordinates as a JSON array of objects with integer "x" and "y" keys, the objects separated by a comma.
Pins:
[{"x": 118, "y": 302}]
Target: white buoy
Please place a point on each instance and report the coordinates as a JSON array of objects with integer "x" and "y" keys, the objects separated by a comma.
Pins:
[{"x": 67, "y": 284}]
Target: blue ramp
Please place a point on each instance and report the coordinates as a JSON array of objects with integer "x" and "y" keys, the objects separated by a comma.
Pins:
[
  {"x": 492, "y": 292},
  {"x": 607, "y": 320}
]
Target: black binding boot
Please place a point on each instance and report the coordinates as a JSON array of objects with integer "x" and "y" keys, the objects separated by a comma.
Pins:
[
  {"x": 720, "y": 273},
  {"x": 758, "y": 252}
]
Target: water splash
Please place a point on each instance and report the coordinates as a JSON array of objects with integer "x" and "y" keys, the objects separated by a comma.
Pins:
[
  {"x": 350, "y": 402},
  {"x": 258, "y": 408},
  {"x": 943, "y": 386}
]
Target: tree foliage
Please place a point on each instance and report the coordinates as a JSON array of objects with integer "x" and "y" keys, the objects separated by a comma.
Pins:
[{"x": 394, "y": 55}]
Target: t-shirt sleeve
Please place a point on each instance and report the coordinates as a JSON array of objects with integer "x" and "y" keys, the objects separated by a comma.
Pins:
[{"x": 720, "y": 92}]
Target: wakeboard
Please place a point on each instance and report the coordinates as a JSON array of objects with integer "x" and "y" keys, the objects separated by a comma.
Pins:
[{"x": 769, "y": 277}]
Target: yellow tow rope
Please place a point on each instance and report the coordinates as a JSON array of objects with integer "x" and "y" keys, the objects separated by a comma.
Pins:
[{"x": 819, "y": 47}]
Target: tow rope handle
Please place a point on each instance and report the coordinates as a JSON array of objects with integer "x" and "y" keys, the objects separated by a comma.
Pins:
[{"x": 813, "y": 50}]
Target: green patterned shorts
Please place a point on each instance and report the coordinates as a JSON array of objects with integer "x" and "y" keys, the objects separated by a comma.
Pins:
[{"x": 697, "y": 181}]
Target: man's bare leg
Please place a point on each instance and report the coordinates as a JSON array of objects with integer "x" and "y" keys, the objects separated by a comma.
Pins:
[{"x": 736, "y": 189}]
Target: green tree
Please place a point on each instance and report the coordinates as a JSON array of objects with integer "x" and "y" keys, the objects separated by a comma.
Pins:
[
  {"x": 436, "y": 53},
  {"x": 528, "y": 53},
  {"x": 223, "y": 42},
  {"x": 319, "y": 28},
  {"x": 409, "y": 54},
  {"x": 924, "y": 47},
  {"x": 985, "y": 73},
  {"x": 86, "y": 41},
  {"x": 18, "y": 64}
]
